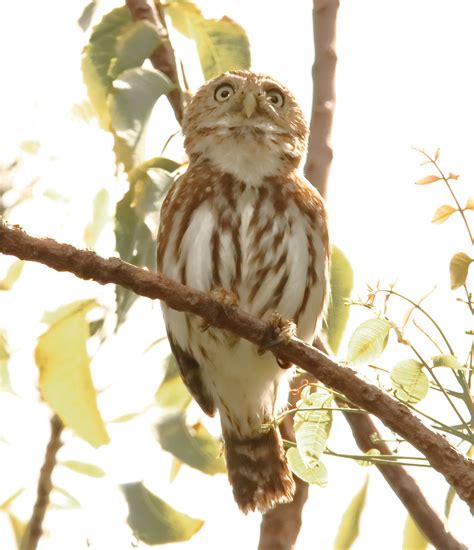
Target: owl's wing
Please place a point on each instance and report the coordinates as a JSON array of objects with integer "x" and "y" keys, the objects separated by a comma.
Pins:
[{"x": 191, "y": 373}]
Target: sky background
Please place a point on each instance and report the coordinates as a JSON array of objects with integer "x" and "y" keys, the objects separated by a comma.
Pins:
[{"x": 404, "y": 79}]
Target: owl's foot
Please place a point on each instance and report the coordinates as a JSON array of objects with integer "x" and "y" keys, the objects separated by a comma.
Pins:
[
  {"x": 224, "y": 297},
  {"x": 282, "y": 332}
]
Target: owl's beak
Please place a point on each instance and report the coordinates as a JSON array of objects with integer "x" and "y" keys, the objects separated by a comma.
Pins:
[{"x": 249, "y": 104}]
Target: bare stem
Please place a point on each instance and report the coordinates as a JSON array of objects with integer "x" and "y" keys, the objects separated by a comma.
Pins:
[{"x": 35, "y": 527}]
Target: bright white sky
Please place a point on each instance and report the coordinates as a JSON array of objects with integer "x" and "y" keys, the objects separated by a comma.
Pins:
[{"x": 404, "y": 79}]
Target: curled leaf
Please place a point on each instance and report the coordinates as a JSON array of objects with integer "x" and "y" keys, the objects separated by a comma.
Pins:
[
  {"x": 458, "y": 269},
  {"x": 443, "y": 213}
]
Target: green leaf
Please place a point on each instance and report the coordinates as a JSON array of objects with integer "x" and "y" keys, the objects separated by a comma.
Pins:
[
  {"x": 5, "y": 383},
  {"x": 413, "y": 538},
  {"x": 443, "y": 213},
  {"x": 12, "y": 276},
  {"x": 175, "y": 468},
  {"x": 172, "y": 392},
  {"x": 135, "y": 44},
  {"x": 342, "y": 279},
  {"x": 100, "y": 216},
  {"x": 458, "y": 269},
  {"x": 222, "y": 46},
  {"x": 153, "y": 521},
  {"x": 98, "y": 56},
  {"x": 64, "y": 376},
  {"x": 316, "y": 475},
  {"x": 448, "y": 503},
  {"x": 193, "y": 446},
  {"x": 84, "y": 468},
  {"x": 136, "y": 222},
  {"x": 184, "y": 16},
  {"x": 368, "y": 341},
  {"x": 312, "y": 427},
  {"x": 131, "y": 102},
  {"x": 409, "y": 381},
  {"x": 350, "y": 523}
]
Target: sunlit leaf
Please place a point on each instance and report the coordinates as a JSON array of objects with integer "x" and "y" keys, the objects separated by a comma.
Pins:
[
  {"x": 184, "y": 15},
  {"x": 317, "y": 475},
  {"x": 153, "y": 521},
  {"x": 449, "y": 361},
  {"x": 469, "y": 204},
  {"x": 67, "y": 502},
  {"x": 12, "y": 276},
  {"x": 135, "y": 44},
  {"x": 84, "y": 468},
  {"x": 428, "y": 179},
  {"x": 18, "y": 527},
  {"x": 172, "y": 392},
  {"x": 443, "y": 213},
  {"x": 437, "y": 154},
  {"x": 131, "y": 102},
  {"x": 413, "y": 538},
  {"x": 369, "y": 453},
  {"x": 125, "y": 417},
  {"x": 98, "y": 56},
  {"x": 312, "y": 427},
  {"x": 368, "y": 341},
  {"x": 342, "y": 279},
  {"x": 5, "y": 383},
  {"x": 452, "y": 176},
  {"x": 175, "y": 468},
  {"x": 448, "y": 502},
  {"x": 100, "y": 216},
  {"x": 5, "y": 505},
  {"x": 65, "y": 380},
  {"x": 30, "y": 146},
  {"x": 409, "y": 381},
  {"x": 458, "y": 269},
  {"x": 194, "y": 446},
  {"x": 86, "y": 16},
  {"x": 350, "y": 522},
  {"x": 222, "y": 46}
]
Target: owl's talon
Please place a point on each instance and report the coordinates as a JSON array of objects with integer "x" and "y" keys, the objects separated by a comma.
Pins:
[
  {"x": 282, "y": 332},
  {"x": 224, "y": 297}
]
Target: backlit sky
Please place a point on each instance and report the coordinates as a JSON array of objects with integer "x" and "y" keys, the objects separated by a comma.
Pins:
[{"x": 404, "y": 79}]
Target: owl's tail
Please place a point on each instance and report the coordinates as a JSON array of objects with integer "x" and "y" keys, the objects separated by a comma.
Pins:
[{"x": 258, "y": 471}]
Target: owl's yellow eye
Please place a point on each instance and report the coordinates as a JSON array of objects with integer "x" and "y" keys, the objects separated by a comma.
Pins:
[
  {"x": 275, "y": 97},
  {"x": 223, "y": 92}
]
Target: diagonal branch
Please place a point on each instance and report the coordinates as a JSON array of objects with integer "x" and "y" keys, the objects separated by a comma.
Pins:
[{"x": 85, "y": 264}]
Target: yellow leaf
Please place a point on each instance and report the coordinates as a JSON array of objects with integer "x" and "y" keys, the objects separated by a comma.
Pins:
[
  {"x": 437, "y": 153},
  {"x": 458, "y": 269},
  {"x": 65, "y": 380},
  {"x": 469, "y": 204},
  {"x": 443, "y": 213},
  {"x": 349, "y": 528},
  {"x": 427, "y": 179},
  {"x": 413, "y": 538},
  {"x": 13, "y": 273},
  {"x": 453, "y": 176}
]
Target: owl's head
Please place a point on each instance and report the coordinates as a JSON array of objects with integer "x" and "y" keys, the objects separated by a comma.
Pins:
[{"x": 242, "y": 108}]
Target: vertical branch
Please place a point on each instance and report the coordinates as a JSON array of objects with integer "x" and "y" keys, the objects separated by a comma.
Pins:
[
  {"x": 320, "y": 153},
  {"x": 163, "y": 57},
  {"x": 35, "y": 526}
]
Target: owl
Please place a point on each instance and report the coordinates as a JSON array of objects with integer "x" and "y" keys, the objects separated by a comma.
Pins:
[{"x": 244, "y": 224}]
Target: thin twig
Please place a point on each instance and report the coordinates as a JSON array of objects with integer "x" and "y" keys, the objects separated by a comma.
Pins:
[
  {"x": 35, "y": 526},
  {"x": 85, "y": 264},
  {"x": 320, "y": 152}
]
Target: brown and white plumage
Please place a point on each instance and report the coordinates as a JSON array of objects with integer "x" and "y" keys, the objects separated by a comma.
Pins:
[{"x": 244, "y": 220}]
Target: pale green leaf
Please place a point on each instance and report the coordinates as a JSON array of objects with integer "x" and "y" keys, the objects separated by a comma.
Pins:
[
  {"x": 135, "y": 44},
  {"x": 12, "y": 276},
  {"x": 131, "y": 102},
  {"x": 30, "y": 146},
  {"x": 368, "y": 341},
  {"x": 449, "y": 361},
  {"x": 172, "y": 393},
  {"x": 448, "y": 503},
  {"x": 458, "y": 269},
  {"x": 409, "y": 381},
  {"x": 184, "y": 15},
  {"x": 86, "y": 16},
  {"x": 64, "y": 376},
  {"x": 73, "y": 308},
  {"x": 193, "y": 445},
  {"x": 342, "y": 278},
  {"x": 5, "y": 505},
  {"x": 153, "y": 521},
  {"x": 413, "y": 538},
  {"x": 312, "y": 427},
  {"x": 443, "y": 213},
  {"x": 428, "y": 179},
  {"x": 84, "y": 468},
  {"x": 316, "y": 475},
  {"x": 350, "y": 522},
  {"x": 67, "y": 501},
  {"x": 5, "y": 383},
  {"x": 98, "y": 56},
  {"x": 19, "y": 528},
  {"x": 222, "y": 46},
  {"x": 369, "y": 453},
  {"x": 175, "y": 468},
  {"x": 100, "y": 216}
]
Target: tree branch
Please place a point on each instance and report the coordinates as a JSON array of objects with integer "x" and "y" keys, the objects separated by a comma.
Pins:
[
  {"x": 85, "y": 264},
  {"x": 320, "y": 153},
  {"x": 35, "y": 526},
  {"x": 163, "y": 57}
]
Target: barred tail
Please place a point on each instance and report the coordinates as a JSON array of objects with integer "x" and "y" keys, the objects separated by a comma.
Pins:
[{"x": 258, "y": 471}]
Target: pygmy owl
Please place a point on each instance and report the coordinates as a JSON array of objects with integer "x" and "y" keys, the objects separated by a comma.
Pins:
[{"x": 243, "y": 219}]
